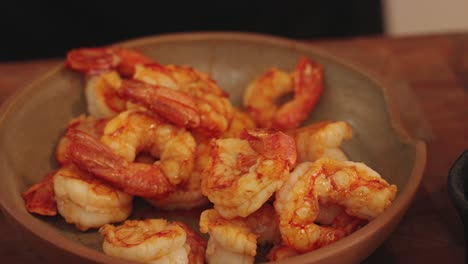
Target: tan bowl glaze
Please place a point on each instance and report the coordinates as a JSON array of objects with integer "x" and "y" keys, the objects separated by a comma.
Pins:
[{"x": 34, "y": 119}]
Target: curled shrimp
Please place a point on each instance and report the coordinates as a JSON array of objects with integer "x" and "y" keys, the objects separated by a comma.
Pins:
[
  {"x": 261, "y": 95},
  {"x": 102, "y": 97},
  {"x": 243, "y": 173},
  {"x": 102, "y": 59},
  {"x": 237, "y": 123},
  {"x": 195, "y": 243},
  {"x": 231, "y": 241},
  {"x": 235, "y": 240},
  {"x": 135, "y": 131},
  {"x": 148, "y": 241},
  {"x": 210, "y": 100},
  {"x": 88, "y": 124},
  {"x": 40, "y": 197},
  {"x": 356, "y": 187},
  {"x": 91, "y": 155},
  {"x": 280, "y": 252},
  {"x": 322, "y": 139},
  {"x": 88, "y": 202},
  {"x": 188, "y": 195}
]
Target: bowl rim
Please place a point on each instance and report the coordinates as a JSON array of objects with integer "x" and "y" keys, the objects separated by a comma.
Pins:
[{"x": 399, "y": 206}]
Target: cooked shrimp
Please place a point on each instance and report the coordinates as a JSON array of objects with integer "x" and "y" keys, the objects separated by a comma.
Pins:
[
  {"x": 102, "y": 59},
  {"x": 173, "y": 105},
  {"x": 322, "y": 139},
  {"x": 102, "y": 95},
  {"x": 231, "y": 241},
  {"x": 244, "y": 173},
  {"x": 356, "y": 187},
  {"x": 239, "y": 121},
  {"x": 335, "y": 216},
  {"x": 195, "y": 243},
  {"x": 91, "y": 155},
  {"x": 40, "y": 197},
  {"x": 188, "y": 195},
  {"x": 211, "y": 101},
  {"x": 237, "y": 238},
  {"x": 148, "y": 241},
  {"x": 261, "y": 95},
  {"x": 88, "y": 202},
  {"x": 135, "y": 131},
  {"x": 84, "y": 123}
]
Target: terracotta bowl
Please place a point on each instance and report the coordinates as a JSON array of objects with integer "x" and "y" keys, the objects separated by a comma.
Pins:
[{"x": 34, "y": 119}]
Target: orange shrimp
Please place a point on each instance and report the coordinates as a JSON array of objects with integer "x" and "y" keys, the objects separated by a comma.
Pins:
[
  {"x": 89, "y": 154},
  {"x": 237, "y": 123},
  {"x": 243, "y": 173},
  {"x": 102, "y": 59},
  {"x": 196, "y": 243},
  {"x": 322, "y": 139},
  {"x": 175, "y": 106},
  {"x": 261, "y": 95},
  {"x": 354, "y": 186},
  {"x": 211, "y": 101},
  {"x": 83, "y": 123},
  {"x": 40, "y": 197}
]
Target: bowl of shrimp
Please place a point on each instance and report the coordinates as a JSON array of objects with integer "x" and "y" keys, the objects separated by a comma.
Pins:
[{"x": 206, "y": 148}]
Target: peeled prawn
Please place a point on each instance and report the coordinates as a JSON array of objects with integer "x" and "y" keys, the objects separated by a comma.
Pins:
[
  {"x": 88, "y": 124},
  {"x": 237, "y": 123},
  {"x": 210, "y": 100},
  {"x": 135, "y": 131},
  {"x": 102, "y": 97},
  {"x": 231, "y": 241},
  {"x": 91, "y": 155},
  {"x": 261, "y": 95},
  {"x": 356, "y": 187},
  {"x": 244, "y": 173},
  {"x": 322, "y": 139},
  {"x": 148, "y": 241},
  {"x": 189, "y": 194},
  {"x": 235, "y": 240},
  {"x": 88, "y": 202}
]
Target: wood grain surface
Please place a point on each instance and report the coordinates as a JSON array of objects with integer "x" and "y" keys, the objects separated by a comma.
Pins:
[{"x": 432, "y": 70}]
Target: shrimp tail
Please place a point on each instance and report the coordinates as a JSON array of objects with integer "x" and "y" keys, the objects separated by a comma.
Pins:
[
  {"x": 308, "y": 87},
  {"x": 40, "y": 197},
  {"x": 175, "y": 106},
  {"x": 272, "y": 143},
  {"x": 90, "y": 155}
]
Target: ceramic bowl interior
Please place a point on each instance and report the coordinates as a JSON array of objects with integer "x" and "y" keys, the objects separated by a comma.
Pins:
[{"x": 32, "y": 123}]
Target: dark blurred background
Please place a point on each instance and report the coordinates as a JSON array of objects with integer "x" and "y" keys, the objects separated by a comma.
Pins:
[{"x": 35, "y": 29}]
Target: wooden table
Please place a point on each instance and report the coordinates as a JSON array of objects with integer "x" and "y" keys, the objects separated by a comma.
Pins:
[{"x": 434, "y": 69}]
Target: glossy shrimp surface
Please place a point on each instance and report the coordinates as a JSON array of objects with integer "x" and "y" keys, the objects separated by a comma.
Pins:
[
  {"x": 322, "y": 139},
  {"x": 359, "y": 189},
  {"x": 88, "y": 124},
  {"x": 88, "y": 202},
  {"x": 91, "y": 155},
  {"x": 102, "y": 97},
  {"x": 231, "y": 241},
  {"x": 239, "y": 121},
  {"x": 236, "y": 239},
  {"x": 189, "y": 195},
  {"x": 40, "y": 197},
  {"x": 244, "y": 173},
  {"x": 210, "y": 100},
  {"x": 136, "y": 131},
  {"x": 147, "y": 241},
  {"x": 261, "y": 96}
]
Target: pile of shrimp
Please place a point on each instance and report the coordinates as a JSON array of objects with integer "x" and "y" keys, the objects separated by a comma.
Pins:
[{"x": 170, "y": 135}]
